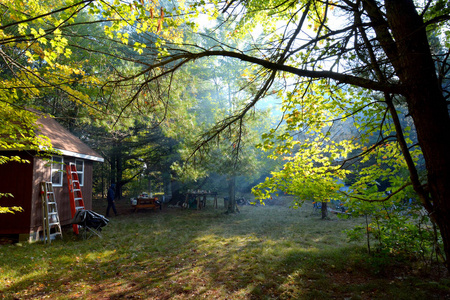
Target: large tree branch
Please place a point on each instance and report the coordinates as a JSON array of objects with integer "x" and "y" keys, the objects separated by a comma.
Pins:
[
  {"x": 274, "y": 66},
  {"x": 382, "y": 30},
  {"x": 438, "y": 20}
]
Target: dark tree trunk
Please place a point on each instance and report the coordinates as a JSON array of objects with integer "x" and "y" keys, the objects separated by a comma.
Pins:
[
  {"x": 167, "y": 184},
  {"x": 324, "y": 210},
  {"x": 112, "y": 170},
  {"x": 428, "y": 108},
  {"x": 177, "y": 196},
  {"x": 232, "y": 195},
  {"x": 119, "y": 182},
  {"x": 103, "y": 181}
]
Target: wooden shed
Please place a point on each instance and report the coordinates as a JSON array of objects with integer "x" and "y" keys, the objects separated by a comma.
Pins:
[{"x": 22, "y": 180}]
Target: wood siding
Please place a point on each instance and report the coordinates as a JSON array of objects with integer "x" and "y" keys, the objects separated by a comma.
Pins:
[
  {"x": 15, "y": 178},
  {"x": 23, "y": 181}
]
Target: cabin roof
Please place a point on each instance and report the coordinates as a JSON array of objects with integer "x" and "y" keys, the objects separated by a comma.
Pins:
[{"x": 64, "y": 141}]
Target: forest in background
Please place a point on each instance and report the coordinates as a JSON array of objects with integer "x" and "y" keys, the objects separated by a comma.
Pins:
[{"x": 185, "y": 93}]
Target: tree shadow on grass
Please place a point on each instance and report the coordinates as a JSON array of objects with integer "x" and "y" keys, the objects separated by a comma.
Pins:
[{"x": 262, "y": 253}]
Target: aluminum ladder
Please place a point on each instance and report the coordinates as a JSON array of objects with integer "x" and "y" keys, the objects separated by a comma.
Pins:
[{"x": 52, "y": 225}]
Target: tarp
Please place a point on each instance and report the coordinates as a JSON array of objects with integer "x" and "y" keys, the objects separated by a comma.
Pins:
[{"x": 89, "y": 219}]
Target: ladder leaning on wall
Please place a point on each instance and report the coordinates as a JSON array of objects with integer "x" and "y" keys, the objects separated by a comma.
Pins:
[
  {"x": 52, "y": 226},
  {"x": 76, "y": 198}
]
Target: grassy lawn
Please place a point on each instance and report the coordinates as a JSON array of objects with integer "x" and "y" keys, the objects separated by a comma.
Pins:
[{"x": 271, "y": 252}]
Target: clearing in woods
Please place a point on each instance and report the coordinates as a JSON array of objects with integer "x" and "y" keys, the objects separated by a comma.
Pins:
[{"x": 271, "y": 252}]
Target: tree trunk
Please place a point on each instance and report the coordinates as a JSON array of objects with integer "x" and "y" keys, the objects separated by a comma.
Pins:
[
  {"x": 232, "y": 195},
  {"x": 167, "y": 185},
  {"x": 177, "y": 196},
  {"x": 324, "y": 210},
  {"x": 112, "y": 171},
  {"x": 428, "y": 108},
  {"x": 119, "y": 182},
  {"x": 103, "y": 181},
  {"x": 150, "y": 186}
]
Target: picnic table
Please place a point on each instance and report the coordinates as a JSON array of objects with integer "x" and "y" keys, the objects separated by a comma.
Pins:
[
  {"x": 199, "y": 197},
  {"x": 144, "y": 201}
]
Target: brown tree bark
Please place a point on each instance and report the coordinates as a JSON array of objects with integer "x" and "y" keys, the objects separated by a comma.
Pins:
[
  {"x": 231, "y": 194},
  {"x": 428, "y": 108},
  {"x": 324, "y": 210}
]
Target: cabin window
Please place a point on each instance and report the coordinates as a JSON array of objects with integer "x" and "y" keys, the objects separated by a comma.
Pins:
[
  {"x": 57, "y": 170},
  {"x": 80, "y": 170}
]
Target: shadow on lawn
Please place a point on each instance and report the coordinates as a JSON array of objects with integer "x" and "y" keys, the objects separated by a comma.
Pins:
[{"x": 262, "y": 253}]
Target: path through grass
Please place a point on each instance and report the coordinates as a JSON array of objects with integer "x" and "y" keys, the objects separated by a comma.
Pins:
[{"x": 271, "y": 252}]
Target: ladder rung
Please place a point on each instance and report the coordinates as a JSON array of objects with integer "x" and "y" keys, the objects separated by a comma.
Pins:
[
  {"x": 74, "y": 190},
  {"x": 50, "y": 214}
]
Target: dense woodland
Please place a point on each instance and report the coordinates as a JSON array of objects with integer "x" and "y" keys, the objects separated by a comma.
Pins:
[{"x": 322, "y": 100}]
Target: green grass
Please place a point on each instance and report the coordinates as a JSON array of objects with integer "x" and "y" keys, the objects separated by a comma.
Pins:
[{"x": 262, "y": 253}]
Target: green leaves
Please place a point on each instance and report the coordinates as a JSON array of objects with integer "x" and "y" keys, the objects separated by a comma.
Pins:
[
  {"x": 331, "y": 136},
  {"x": 396, "y": 228}
]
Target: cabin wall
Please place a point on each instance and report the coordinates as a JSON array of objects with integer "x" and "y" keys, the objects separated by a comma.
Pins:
[
  {"x": 43, "y": 173},
  {"x": 86, "y": 189},
  {"x": 15, "y": 178},
  {"x": 23, "y": 181}
]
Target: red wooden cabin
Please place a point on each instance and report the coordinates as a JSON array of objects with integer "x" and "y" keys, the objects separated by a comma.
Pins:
[{"x": 22, "y": 181}]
